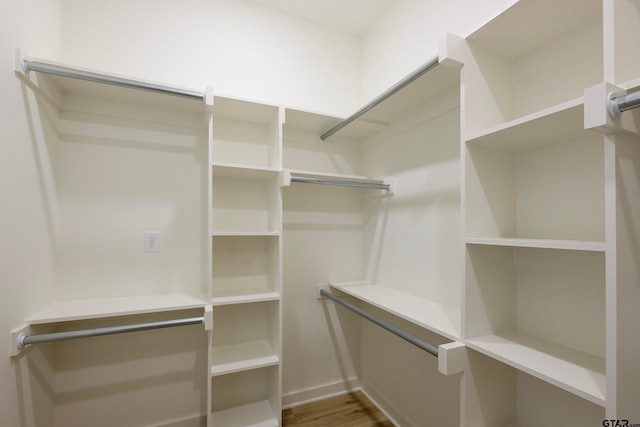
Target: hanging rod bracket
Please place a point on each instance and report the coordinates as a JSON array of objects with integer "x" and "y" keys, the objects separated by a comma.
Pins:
[
  {"x": 605, "y": 105},
  {"x": 17, "y": 339},
  {"x": 612, "y": 106},
  {"x": 322, "y": 287}
]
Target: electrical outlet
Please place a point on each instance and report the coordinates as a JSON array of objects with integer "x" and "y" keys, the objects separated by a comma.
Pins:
[{"x": 152, "y": 241}]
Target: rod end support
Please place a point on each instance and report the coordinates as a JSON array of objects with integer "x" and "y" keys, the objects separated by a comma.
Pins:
[
  {"x": 322, "y": 287},
  {"x": 612, "y": 106},
  {"x": 17, "y": 337}
]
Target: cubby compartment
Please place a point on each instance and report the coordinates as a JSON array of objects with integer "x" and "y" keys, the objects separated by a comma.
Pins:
[
  {"x": 246, "y": 133},
  {"x": 541, "y": 311},
  {"x": 519, "y": 189},
  {"x": 245, "y": 336},
  {"x": 245, "y": 370},
  {"x": 303, "y": 150},
  {"x": 245, "y": 201},
  {"x": 499, "y": 395},
  {"x": 532, "y": 56},
  {"x": 248, "y": 398},
  {"x": 245, "y": 268}
]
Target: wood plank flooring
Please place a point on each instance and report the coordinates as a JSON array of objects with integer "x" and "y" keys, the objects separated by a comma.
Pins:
[{"x": 347, "y": 410}]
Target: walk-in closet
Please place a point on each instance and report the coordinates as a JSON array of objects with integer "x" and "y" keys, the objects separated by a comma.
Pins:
[{"x": 217, "y": 211}]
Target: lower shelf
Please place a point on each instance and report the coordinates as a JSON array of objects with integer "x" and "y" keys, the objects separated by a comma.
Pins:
[
  {"x": 259, "y": 414},
  {"x": 572, "y": 370},
  {"x": 241, "y": 357}
]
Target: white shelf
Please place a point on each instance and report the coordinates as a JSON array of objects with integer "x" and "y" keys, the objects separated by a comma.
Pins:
[
  {"x": 243, "y": 171},
  {"x": 227, "y": 297},
  {"x": 569, "y": 369},
  {"x": 245, "y": 234},
  {"x": 346, "y": 177},
  {"x": 242, "y": 357},
  {"x": 524, "y": 25},
  {"x": 441, "y": 319},
  {"x": 574, "y": 245},
  {"x": 56, "y": 87},
  {"x": 259, "y": 414},
  {"x": 63, "y": 311},
  {"x": 557, "y": 123}
]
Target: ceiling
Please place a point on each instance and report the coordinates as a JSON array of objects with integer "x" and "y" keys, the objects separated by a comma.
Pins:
[{"x": 353, "y": 17}]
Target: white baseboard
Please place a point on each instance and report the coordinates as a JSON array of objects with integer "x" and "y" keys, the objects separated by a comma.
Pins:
[
  {"x": 386, "y": 406},
  {"x": 297, "y": 398}
]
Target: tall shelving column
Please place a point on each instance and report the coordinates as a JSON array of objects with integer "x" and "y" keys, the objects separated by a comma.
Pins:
[
  {"x": 126, "y": 161},
  {"x": 622, "y": 168},
  {"x": 534, "y": 306},
  {"x": 246, "y": 235}
]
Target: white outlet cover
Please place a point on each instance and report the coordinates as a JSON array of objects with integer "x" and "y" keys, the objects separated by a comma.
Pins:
[{"x": 151, "y": 241}]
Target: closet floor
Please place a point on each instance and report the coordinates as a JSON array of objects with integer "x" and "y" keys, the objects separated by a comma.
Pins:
[{"x": 347, "y": 410}]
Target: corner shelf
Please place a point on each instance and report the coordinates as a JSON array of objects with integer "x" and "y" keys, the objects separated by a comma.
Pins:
[
  {"x": 569, "y": 369},
  {"x": 438, "y": 318}
]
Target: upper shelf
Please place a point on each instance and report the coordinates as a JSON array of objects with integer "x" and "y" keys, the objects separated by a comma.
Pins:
[
  {"x": 58, "y": 80},
  {"x": 556, "y": 123},
  {"x": 63, "y": 311},
  {"x": 524, "y": 25},
  {"x": 426, "y": 82}
]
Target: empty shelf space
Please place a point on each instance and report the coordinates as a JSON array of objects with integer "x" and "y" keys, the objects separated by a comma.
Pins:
[
  {"x": 244, "y": 296},
  {"x": 557, "y": 123},
  {"x": 241, "y": 357},
  {"x": 259, "y": 414},
  {"x": 62, "y": 311},
  {"x": 522, "y": 26},
  {"x": 438, "y": 318},
  {"x": 242, "y": 171},
  {"x": 572, "y": 370},
  {"x": 575, "y": 245}
]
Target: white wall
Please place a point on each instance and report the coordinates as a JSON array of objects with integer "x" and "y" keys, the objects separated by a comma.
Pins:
[
  {"x": 27, "y": 227},
  {"x": 240, "y": 50},
  {"x": 408, "y": 34}
]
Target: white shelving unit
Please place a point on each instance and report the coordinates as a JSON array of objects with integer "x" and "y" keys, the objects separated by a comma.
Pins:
[
  {"x": 247, "y": 250},
  {"x": 120, "y": 162},
  {"x": 537, "y": 191}
]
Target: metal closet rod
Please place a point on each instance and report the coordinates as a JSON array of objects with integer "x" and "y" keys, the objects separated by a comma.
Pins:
[
  {"x": 340, "y": 182},
  {"x": 621, "y": 103},
  {"x": 383, "y": 96},
  {"x": 384, "y": 324},
  {"x": 24, "y": 339},
  {"x": 29, "y": 64}
]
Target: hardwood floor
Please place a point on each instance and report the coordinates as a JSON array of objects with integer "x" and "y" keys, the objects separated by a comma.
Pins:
[{"x": 347, "y": 410}]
